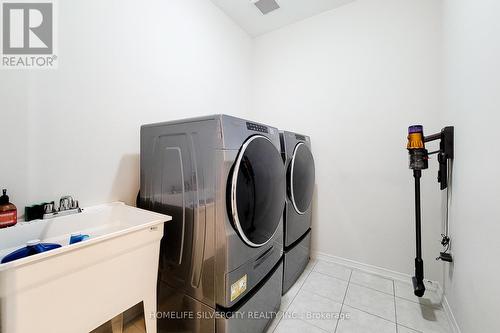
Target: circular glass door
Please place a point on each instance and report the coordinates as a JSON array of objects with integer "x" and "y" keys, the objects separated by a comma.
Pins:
[
  {"x": 301, "y": 178},
  {"x": 257, "y": 191}
]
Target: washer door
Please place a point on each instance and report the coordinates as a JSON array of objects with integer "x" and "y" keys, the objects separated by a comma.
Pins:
[
  {"x": 301, "y": 178},
  {"x": 257, "y": 186}
]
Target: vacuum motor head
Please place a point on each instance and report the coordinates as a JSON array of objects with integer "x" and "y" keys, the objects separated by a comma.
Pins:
[
  {"x": 416, "y": 148},
  {"x": 415, "y": 137}
]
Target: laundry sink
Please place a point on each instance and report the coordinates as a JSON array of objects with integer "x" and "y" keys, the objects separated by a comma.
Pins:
[{"x": 78, "y": 287}]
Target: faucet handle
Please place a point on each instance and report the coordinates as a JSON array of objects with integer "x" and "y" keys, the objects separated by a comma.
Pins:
[
  {"x": 48, "y": 208},
  {"x": 66, "y": 202}
]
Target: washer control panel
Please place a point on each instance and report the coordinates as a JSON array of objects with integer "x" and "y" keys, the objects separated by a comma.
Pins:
[{"x": 257, "y": 127}]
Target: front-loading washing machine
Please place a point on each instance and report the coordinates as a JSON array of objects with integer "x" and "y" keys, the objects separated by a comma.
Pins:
[
  {"x": 300, "y": 176},
  {"x": 222, "y": 180}
]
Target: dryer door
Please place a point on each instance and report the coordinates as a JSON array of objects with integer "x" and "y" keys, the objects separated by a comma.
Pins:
[
  {"x": 257, "y": 191},
  {"x": 301, "y": 178}
]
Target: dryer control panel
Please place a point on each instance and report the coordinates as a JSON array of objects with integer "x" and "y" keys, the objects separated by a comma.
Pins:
[{"x": 300, "y": 137}]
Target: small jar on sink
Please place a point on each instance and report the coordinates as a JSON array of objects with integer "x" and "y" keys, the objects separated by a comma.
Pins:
[{"x": 8, "y": 211}]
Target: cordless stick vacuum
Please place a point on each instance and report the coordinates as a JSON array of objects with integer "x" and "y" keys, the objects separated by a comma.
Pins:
[{"x": 419, "y": 158}]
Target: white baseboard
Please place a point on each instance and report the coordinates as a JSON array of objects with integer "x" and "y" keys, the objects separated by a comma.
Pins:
[
  {"x": 451, "y": 318},
  {"x": 391, "y": 275},
  {"x": 361, "y": 266}
]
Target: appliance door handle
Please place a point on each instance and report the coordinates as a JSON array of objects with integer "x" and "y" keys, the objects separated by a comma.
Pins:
[
  {"x": 178, "y": 156},
  {"x": 199, "y": 221},
  {"x": 198, "y": 244}
]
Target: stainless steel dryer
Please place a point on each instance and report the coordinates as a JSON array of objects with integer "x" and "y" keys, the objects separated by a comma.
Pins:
[
  {"x": 300, "y": 174},
  {"x": 222, "y": 179}
]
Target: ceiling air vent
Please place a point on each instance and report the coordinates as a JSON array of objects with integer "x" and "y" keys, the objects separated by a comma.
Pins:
[{"x": 266, "y": 6}]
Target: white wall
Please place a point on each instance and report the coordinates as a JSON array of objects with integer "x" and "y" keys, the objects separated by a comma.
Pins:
[
  {"x": 472, "y": 82},
  {"x": 353, "y": 79},
  {"x": 15, "y": 134},
  {"x": 122, "y": 64}
]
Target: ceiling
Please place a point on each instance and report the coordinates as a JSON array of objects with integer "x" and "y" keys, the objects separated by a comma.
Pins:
[{"x": 251, "y": 19}]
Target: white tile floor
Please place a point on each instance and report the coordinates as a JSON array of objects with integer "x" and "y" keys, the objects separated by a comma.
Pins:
[{"x": 365, "y": 303}]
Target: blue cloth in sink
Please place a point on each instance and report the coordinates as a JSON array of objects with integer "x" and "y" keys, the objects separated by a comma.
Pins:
[{"x": 32, "y": 248}]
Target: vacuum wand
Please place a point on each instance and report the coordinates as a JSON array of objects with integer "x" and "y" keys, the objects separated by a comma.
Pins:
[
  {"x": 418, "y": 279},
  {"x": 418, "y": 161}
]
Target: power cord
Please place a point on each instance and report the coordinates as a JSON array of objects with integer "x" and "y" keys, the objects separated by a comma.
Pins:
[
  {"x": 445, "y": 242},
  {"x": 445, "y": 239}
]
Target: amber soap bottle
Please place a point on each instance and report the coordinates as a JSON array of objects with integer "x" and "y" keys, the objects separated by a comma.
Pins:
[{"x": 8, "y": 212}]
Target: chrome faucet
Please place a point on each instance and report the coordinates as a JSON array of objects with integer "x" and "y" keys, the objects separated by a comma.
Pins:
[
  {"x": 67, "y": 202},
  {"x": 67, "y": 206}
]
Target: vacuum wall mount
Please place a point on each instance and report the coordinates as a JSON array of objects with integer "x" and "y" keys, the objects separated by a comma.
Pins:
[{"x": 418, "y": 161}]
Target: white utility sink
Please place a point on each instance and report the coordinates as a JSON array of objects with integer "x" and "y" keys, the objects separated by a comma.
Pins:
[{"x": 78, "y": 287}]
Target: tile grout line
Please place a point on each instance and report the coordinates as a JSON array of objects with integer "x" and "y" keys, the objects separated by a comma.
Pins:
[
  {"x": 353, "y": 269},
  {"x": 436, "y": 306},
  {"x": 411, "y": 329},
  {"x": 362, "y": 285},
  {"x": 354, "y": 307},
  {"x": 380, "y": 291},
  {"x": 371, "y": 314},
  {"x": 310, "y": 324},
  {"x": 395, "y": 308},
  {"x": 378, "y": 316},
  {"x": 335, "y": 277},
  {"x": 322, "y": 296},
  {"x": 349, "y": 281},
  {"x": 395, "y": 312},
  {"x": 385, "y": 277},
  {"x": 343, "y": 300},
  {"x": 300, "y": 288},
  {"x": 396, "y": 297}
]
